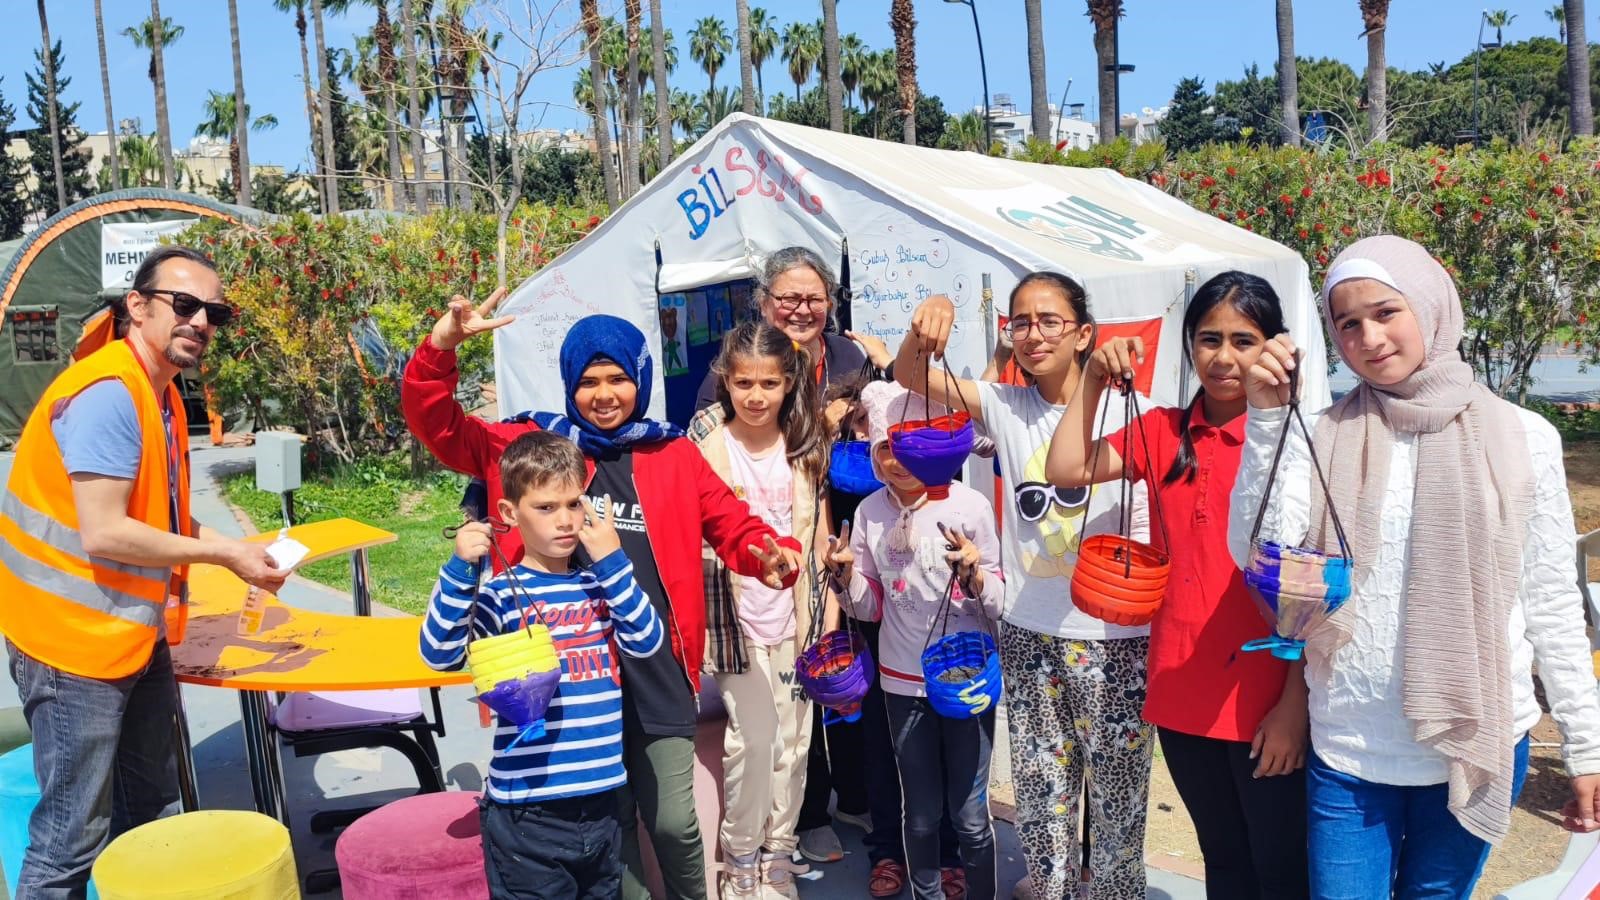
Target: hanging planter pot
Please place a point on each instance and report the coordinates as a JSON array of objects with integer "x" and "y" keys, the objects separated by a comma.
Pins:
[
  {"x": 961, "y": 673},
  {"x": 836, "y": 672},
  {"x": 850, "y": 468},
  {"x": 516, "y": 675},
  {"x": 933, "y": 450},
  {"x": 1118, "y": 579},
  {"x": 1296, "y": 589}
]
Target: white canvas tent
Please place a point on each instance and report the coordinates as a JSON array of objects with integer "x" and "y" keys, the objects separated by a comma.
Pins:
[{"x": 913, "y": 222}]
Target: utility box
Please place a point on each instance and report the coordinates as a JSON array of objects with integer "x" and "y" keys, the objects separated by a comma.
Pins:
[{"x": 278, "y": 461}]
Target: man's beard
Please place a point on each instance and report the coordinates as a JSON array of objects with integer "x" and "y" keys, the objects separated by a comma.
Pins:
[{"x": 182, "y": 360}]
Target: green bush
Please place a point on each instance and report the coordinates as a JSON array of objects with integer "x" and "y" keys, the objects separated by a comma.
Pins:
[
  {"x": 331, "y": 308},
  {"x": 1518, "y": 227}
]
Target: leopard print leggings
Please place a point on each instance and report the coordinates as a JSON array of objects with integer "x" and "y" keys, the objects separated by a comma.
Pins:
[{"x": 1074, "y": 707}]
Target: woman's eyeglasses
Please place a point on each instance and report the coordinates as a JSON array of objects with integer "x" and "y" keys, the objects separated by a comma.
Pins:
[
  {"x": 188, "y": 305},
  {"x": 791, "y": 302},
  {"x": 1050, "y": 327}
]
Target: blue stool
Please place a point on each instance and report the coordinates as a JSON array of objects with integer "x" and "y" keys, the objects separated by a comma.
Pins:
[{"x": 19, "y": 794}]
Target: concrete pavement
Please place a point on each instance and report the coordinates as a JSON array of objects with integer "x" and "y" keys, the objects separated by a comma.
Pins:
[{"x": 370, "y": 777}]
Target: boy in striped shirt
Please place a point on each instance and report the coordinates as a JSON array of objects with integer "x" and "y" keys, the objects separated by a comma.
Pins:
[{"x": 549, "y": 813}]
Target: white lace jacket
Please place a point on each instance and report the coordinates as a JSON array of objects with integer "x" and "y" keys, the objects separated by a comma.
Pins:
[{"x": 1357, "y": 726}]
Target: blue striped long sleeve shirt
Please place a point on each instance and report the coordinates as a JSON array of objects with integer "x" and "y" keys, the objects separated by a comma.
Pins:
[{"x": 592, "y": 613}]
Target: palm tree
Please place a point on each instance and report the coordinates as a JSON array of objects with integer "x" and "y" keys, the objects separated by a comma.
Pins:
[
  {"x": 154, "y": 34},
  {"x": 1558, "y": 15},
  {"x": 1039, "y": 112},
  {"x": 763, "y": 43},
  {"x": 903, "y": 23},
  {"x": 878, "y": 84},
  {"x": 802, "y": 46},
  {"x": 631, "y": 115},
  {"x": 48, "y": 59},
  {"x": 747, "y": 76},
  {"x": 1578, "y": 69},
  {"x": 387, "y": 74},
  {"x": 298, "y": 7},
  {"x": 590, "y": 12},
  {"x": 1375, "y": 16},
  {"x": 689, "y": 113},
  {"x": 660, "y": 38},
  {"x": 330, "y": 177},
  {"x": 224, "y": 118},
  {"x": 709, "y": 45},
  {"x": 1498, "y": 19},
  {"x": 964, "y": 132},
  {"x": 853, "y": 55},
  {"x": 414, "y": 106},
  {"x": 1104, "y": 14},
  {"x": 1288, "y": 76},
  {"x": 141, "y": 164},
  {"x": 105, "y": 89},
  {"x": 715, "y": 106},
  {"x": 832, "y": 85},
  {"x": 238, "y": 146}
]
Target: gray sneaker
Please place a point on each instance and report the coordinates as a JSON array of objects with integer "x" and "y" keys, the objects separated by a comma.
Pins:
[{"x": 821, "y": 845}]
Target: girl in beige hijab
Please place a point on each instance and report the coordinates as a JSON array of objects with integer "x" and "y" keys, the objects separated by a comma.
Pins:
[{"x": 1455, "y": 503}]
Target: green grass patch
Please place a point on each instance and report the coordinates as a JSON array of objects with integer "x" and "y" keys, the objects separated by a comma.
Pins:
[{"x": 380, "y": 493}]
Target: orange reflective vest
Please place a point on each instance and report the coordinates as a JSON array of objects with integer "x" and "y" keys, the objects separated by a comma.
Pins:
[{"x": 83, "y": 614}]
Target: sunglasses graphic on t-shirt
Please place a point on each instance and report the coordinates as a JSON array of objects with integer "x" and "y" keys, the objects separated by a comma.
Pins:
[{"x": 1034, "y": 499}]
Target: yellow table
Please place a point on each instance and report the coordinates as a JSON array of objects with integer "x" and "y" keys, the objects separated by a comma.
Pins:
[{"x": 295, "y": 650}]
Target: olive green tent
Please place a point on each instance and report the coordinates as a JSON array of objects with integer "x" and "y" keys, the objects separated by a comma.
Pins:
[{"x": 63, "y": 273}]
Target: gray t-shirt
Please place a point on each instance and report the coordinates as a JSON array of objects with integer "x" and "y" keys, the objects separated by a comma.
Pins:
[{"x": 1041, "y": 524}]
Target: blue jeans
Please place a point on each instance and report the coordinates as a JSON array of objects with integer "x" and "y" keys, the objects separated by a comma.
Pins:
[
  {"x": 1373, "y": 841},
  {"x": 103, "y": 753},
  {"x": 944, "y": 766}
]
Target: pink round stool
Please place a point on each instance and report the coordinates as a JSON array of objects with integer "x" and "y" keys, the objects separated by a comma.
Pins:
[{"x": 426, "y": 847}]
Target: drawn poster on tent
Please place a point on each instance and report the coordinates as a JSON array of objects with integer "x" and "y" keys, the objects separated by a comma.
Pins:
[
  {"x": 673, "y": 312},
  {"x": 699, "y": 323},
  {"x": 898, "y": 265}
]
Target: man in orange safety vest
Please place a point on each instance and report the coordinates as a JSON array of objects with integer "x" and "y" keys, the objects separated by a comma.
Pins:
[{"x": 95, "y": 544}]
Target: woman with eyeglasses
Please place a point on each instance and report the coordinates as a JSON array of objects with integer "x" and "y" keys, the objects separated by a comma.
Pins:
[
  {"x": 1074, "y": 685},
  {"x": 797, "y": 292},
  {"x": 1233, "y": 726}
]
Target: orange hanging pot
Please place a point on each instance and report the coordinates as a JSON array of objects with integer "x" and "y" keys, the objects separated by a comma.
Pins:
[{"x": 1118, "y": 579}]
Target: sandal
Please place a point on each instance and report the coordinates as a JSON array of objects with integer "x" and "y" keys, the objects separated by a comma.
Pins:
[
  {"x": 888, "y": 878},
  {"x": 954, "y": 883}
]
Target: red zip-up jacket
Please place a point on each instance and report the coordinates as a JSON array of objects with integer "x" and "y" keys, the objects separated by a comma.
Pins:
[{"x": 683, "y": 499}]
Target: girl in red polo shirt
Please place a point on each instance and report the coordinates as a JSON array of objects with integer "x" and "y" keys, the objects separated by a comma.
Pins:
[{"x": 1233, "y": 725}]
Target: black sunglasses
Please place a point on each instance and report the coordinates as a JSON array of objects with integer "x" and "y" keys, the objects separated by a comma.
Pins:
[{"x": 187, "y": 305}]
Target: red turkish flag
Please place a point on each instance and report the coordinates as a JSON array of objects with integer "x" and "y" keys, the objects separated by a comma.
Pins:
[{"x": 1148, "y": 330}]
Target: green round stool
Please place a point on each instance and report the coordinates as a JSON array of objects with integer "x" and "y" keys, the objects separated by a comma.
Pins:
[{"x": 218, "y": 854}]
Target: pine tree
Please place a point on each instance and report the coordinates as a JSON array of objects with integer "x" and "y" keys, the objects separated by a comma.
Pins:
[
  {"x": 74, "y": 156},
  {"x": 346, "y": 166},
  {"x": 1188, "y": 124},
  {"x": 13, "y": 175}
]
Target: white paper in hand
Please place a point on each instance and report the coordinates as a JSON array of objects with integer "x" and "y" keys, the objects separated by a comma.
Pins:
[{"x": 286, "y": 552}]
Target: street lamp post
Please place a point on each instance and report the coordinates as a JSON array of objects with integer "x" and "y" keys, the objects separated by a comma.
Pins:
[
  {"x": 983, "y": 69},
  {"x": 1477, "y": 51}
]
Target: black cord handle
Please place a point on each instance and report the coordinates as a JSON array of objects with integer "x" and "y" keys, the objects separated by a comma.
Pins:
[{"x": 1316, "y": 465}]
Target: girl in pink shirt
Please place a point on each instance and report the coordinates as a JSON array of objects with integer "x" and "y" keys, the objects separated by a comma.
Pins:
[{"x": 765, "y": 438}]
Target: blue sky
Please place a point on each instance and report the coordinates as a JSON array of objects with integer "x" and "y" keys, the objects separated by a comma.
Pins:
[{"x": 1165, "y": 39}]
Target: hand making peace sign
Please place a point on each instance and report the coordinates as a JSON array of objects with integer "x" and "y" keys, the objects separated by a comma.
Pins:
[
  {"x": 462, "y": 320},
  {"x": 962, "y": 556},
  {"x": 777, "y": 563},
  {"x": 840, "y": 560}
]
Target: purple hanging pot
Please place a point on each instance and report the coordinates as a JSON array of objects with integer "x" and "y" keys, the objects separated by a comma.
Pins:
[{"x": 933, "y": 450}]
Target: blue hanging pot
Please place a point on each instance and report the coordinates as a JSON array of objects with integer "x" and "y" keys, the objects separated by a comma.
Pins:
[
  {"x": 961, "y": 672},
  {"x": 850, "y": 469}
]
